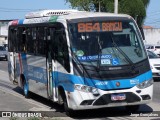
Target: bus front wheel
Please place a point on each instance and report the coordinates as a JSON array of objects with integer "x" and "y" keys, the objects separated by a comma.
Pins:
[{"x": 68, "y": 111}]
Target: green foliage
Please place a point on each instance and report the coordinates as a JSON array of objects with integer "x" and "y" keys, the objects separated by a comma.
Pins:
[
  {"x": 81, "y": 4},
  {"x": 135, "y": 8},
  {"x": 146, "y": 3}
]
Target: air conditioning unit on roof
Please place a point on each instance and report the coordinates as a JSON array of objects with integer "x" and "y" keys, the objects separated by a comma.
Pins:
[{"x": 46, "y": 13}]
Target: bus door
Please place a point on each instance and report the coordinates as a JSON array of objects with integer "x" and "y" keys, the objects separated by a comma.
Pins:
[
  {"x": 12, "y": 67},
  {"x": 51, "y": 89},
  {"x": 11, "y": 56}
]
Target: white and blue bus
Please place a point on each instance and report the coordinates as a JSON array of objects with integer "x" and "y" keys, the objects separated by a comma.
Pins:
[{"x": 81, "y": 60}]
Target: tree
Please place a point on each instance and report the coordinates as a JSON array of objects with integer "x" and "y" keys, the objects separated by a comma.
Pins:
[
  {"x": 135, "y": 8},
  {"x": 85, "y": 5}
]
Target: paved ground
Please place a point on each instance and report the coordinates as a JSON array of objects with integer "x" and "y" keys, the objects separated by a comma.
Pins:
[{"x": 11, "y": 99}]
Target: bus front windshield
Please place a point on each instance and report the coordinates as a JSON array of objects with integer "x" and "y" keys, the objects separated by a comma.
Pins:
[{"x": 106, "y": 43}]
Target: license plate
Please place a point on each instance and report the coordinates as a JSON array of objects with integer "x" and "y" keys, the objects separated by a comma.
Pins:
[{"x": 118, "y": 97}]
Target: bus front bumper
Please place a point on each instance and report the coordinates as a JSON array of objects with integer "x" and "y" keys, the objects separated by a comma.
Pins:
[{"x": 79, "y": 100}]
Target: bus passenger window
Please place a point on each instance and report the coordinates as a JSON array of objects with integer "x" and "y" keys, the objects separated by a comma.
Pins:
[
  {"x": 23, "y": 48},
  {"x": 41, "y": 39},
  {"x": 29, "y": 40},
  {"x": 35, "y": 40},
  {"x": 62, "y": 53},
  {"x": 12, "y": 39},
  {"x": 21, "y": 41}
]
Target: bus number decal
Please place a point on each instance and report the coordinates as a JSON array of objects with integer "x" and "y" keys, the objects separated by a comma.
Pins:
[
  {"x": 88, "y": 27},
  {"x": 97, "y": 27}
]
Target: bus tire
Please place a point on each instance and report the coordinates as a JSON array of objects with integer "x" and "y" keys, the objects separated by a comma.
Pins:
[
  {"x": 132, "y": 108},
  {"x": 69, "y": 112},
  {"x": 25, "y": 87}
]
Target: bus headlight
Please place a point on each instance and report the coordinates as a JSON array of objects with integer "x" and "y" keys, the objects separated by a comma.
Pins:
[
  {"x": 145, "y": 84},
  {"x": 85, "y": 88}
]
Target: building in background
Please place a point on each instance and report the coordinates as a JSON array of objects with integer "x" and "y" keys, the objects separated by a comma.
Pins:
[
  {"x": 4, "y": 31},
  {"x": 152, "y": 36}
]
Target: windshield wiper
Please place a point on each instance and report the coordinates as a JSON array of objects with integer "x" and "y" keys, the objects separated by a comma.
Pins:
[
  {"x": 99, "y": 54},
  {"x": 119, "y": 49}
]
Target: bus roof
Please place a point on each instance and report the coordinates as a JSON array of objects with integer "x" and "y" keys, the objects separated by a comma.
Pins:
[
  {"x": 70, "y": 14},
  {"x": 56, "y": 15},
  {"x": 47, "y": 13},
  {"x": 92, "y": 14}
]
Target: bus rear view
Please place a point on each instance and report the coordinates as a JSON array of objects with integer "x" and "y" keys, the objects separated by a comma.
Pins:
[{"x": 110, "y": 58}]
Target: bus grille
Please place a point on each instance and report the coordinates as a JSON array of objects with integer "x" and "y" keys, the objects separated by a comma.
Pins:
[
  {"x": 158, "y": 68},
  {"x": 106, "y": 99},
  {"x": 107, "y": 75}
]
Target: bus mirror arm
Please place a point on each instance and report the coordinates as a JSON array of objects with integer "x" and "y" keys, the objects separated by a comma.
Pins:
[{"x": 142, "y": 33}]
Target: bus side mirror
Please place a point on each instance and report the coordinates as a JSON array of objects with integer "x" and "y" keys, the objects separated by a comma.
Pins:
[{"x": 142, "y": 33}]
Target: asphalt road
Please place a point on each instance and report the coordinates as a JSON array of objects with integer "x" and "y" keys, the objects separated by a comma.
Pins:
[{"x": 12, "y": 99}]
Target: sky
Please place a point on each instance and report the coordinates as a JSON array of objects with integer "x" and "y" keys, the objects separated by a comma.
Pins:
[
  {"x": 16, "y": 9},
  {"x": 153, "y": 14}
]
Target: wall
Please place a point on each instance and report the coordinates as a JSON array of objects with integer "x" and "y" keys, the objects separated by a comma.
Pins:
[
  {"x": 4, "y": 30},
  {"x": 152, "y": 36},
  {"x": 3, "y": 35},
  {"x": 3, "y": 40}
]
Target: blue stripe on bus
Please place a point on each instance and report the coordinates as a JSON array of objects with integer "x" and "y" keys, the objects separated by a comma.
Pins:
[
  {"x": 68, "y": 80},
  {"x": 20, "y": 21},
  {"x": 106, "y": 84},
  {"x": 36, "y": 73}
]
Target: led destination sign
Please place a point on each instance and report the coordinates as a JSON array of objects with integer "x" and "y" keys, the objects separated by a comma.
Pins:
[{"x": 99, "y": 26}]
